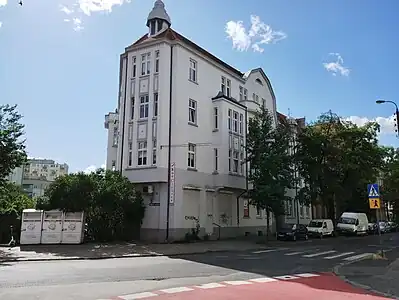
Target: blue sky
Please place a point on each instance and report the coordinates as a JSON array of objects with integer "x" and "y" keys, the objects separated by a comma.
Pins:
[{"x": 59, "y": 60}]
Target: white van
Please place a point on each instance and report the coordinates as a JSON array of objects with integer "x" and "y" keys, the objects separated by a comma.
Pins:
[
  {"x": 321, "y": 227},
  {"x": 353, "y": 223}
]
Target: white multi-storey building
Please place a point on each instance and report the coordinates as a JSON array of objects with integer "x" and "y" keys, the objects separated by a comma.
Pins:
[{"x": 181, "y": 118}]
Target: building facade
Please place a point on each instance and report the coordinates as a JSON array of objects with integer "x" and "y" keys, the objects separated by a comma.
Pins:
[{"x": 179, "y": 132}]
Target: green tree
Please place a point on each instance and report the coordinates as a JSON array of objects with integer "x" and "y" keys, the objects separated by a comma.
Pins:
[
  {"x": 13, "y": 200},
  {"x": 114, "y": 208},
  {"x": 337, "y": 159},
  {"x": 12, "y": 144},
  {"x": 270, "y": 162},
  {"x": 390, "y": 178}
]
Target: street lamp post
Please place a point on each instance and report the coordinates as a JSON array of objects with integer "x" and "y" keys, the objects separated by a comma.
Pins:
[{"x": 396, "y": 113}]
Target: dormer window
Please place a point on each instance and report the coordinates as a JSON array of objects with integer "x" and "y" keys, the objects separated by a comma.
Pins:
[
  {"x": 153, "y": 28},
  {"x": 258, "y": 81},
  {"x": 159, "y": 23}
]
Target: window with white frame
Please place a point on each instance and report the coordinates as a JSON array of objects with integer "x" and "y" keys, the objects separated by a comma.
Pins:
[
  {"x": 113, "y": 165},
  {"x": 241, "y": 125},
  {"x": 154, "y": 152},
  {"x": 242, "y": 163},
  {"x": 156, "y": 62},
  {"x": 258, "y": 212},
  {"x": 144, "y": 104},
  {"x": 191, "y": 156},
  {"x": 216, "y": 157},
  {"x": 241, "y": 93},
  {"x": 132, "y": 108},
  {"x": 245, "y": 94},
  {"x": 226, "y": 86},
  {"x": 130, "y": 154},
  {"x": 253, "y": 96},
  {"x": 235, "y": 121},
  {"x": 230, "y": 112},
  {"x": 223, "y": 85},
  {"x": 134, "y": 67},
  {"x": 146, "y": 64},
  {"x": 155, "y": 107},
  {"x": 192, "y": 111},
  {"x": 215, "y": 118},
  {"x": 130, "y": 132},
  {"x": 263, "y": 102},
  {"x": 230, "y": 159},
  {"x": 142, "y": 153},
  {"x": 192, "y": 75},
  {"x": 235, "y": 161},
  {"x": 115, "y": 137}
]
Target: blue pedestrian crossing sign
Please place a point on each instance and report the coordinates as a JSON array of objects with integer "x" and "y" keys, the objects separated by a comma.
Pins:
[{"x": 373, "y": 190}]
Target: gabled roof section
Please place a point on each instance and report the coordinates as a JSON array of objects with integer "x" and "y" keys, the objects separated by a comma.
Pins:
[{"x": 220, "y": 95}]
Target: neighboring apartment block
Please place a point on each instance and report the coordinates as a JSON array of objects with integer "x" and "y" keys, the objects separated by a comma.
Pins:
[{"x": 172, "y": 88}]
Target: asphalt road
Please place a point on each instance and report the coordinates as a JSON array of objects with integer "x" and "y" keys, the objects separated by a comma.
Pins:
[{"x": 102, "y": 279}]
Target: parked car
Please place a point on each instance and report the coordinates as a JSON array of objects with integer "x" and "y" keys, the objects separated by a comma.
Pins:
[
  {"x": 321, "y": 227},
  {"x": 292, "y": 232},
  {"x": 384, "y": 227},
  {"x": 353, "y": 223},
  {"x": 372, "y": 228},
  {"x": 393, "y": 227}
]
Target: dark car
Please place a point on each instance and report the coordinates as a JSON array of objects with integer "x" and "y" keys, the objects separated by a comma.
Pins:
[{"x": 292, "y": 232}]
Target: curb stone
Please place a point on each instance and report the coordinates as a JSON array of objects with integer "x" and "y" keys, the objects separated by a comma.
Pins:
[
  {"x": 359, "y": 285},
  {"x": 66, "y": 258}
]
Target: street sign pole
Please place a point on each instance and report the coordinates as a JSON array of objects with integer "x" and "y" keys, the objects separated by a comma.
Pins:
[{"x": 373, "y": 192}]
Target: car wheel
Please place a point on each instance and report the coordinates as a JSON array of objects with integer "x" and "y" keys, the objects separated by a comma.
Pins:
[
  {"x": 332, "y": 233},
  {"x": 294, "y": 238}
]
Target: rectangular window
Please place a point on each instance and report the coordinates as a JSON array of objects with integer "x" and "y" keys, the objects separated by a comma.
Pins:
[
  {"x": 215, "y": 152},
  {"x": 229, "y": 118},
  {"x": 223, "y": 85},
  {"x": 145, "y": 64},
  {"x": 142, "y": 153},
  {"x": 115, "y": 137},
  {"x": 228, "y": 88},
  {"x": 235, "y": 161},
  {"x": 242, "y": 163},
  {"x": 235, "y": 121},
  {"x": 253, "y": 96},
  {"x": 193, "y": 70},
  {"x": 229, "y": 160},
  {"x": 144, "y": 102},
  {"x": 241, "y": 123},
  {"x": 156, "y": 61},
  {"x": 113, "y": 166},
  {"x": 134, "y": 67},
  {"x": 154, "y": 152},
  {"x": 216, "y": 118},
  {"x": 257, "y": 99},
  {"x": 130, "y": 132},
  {"x": 258, "y": 212},
  {"x": 241, "y": 93},
  {"x": 155, "y": 108},
  {"x": 263, "y": 102},
  {"x": 132, "y": 108},
  {"x": 192, "y": 111},
  {"x": 130, "y": 154},
  {"x": 191, "y": 155},
  {"x": 245, "y": 94}
]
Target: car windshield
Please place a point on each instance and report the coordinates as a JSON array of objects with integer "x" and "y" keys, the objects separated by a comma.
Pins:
[
  {"x": 346, "y": 220},
  {"x": 315, "y": 224}
]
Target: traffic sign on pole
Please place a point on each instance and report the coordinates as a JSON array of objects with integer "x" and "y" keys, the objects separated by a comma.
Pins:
[
  {"x": 373, "y": 190},
  {"x": 374, "y": 203}
]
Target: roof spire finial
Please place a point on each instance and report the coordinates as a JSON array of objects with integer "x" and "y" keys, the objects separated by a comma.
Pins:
[{"x": 158, "y": 12}]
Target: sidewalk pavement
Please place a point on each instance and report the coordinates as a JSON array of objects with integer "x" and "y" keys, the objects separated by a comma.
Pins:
[
  {"x": 376, "y": 275},
  {"x": 103, "y": 251}
]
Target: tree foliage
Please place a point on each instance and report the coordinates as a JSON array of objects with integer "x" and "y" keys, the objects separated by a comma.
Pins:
[
  {"x": 112, "y": 205},
  {"x": 337, "y": 159},
  {"x": 390, "y": 180},
  {"x": 12, "y": 146},
  {"x": 270, "y": 161},
  {"x": 13, "y": 200}
]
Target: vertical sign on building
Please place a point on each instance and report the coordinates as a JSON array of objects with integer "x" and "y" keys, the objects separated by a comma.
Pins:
[{"x": 172, "y": 183}]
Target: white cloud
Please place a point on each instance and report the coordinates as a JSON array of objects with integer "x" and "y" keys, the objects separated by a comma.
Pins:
[
  {"x": 258, "y": 34},
  {"x": 1, "y": 24},
  {"x": 77, "y": 24},
  {"x": 66, "y": 10},
  {"x": 3, "y": 3},
  {"x": 337, "y": 66},
  {"x": 92, "y": 168},
  {"x": 387, "y": 124},
  {"x": 90, "y": 6}
]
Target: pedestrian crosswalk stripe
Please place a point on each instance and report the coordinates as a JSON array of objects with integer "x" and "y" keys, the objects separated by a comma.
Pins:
[
  {"x": 264, "y": 251},
  {"x": 210, "y": 285},
  {"x": 263, "y": 279},
  {"x": 237, "y": 282},
  {"x": 176, "y": 290},
  {"x": 318, "y": 254},
  {"x": 359, "y": 256},
  {"x": 294, "y": 253},
  {"x": 138, "y": 296},
  {"x": 339, "y": 255}
]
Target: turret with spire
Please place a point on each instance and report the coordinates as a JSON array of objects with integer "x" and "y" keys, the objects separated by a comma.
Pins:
[{"x": 158, "y": 20}]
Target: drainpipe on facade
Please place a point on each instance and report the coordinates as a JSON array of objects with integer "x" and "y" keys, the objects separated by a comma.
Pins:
[
  {"x": 169, "y": 143},
  {"x": 124, "y": 116}
]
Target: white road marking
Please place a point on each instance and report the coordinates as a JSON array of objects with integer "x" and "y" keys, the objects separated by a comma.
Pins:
[
  {"x": 294, "y": 253},
  {"x": 176, "y": 290},
  {"x": 263, "y": 279},
  {"x": 210, "y": 285},
  {"x": 252, "y": 257},
  {"x": 138, "y": 296},
  {"x": 359, "y": 256},
  {"x": 306, "y": 275},
  {"x": 318, "y": 254},
  {"x": 238, "y": 282},
  {"x": 339, "y": 255},
  {"x": 286, "y": 277},
  {"x": 264, "y": 251}
]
